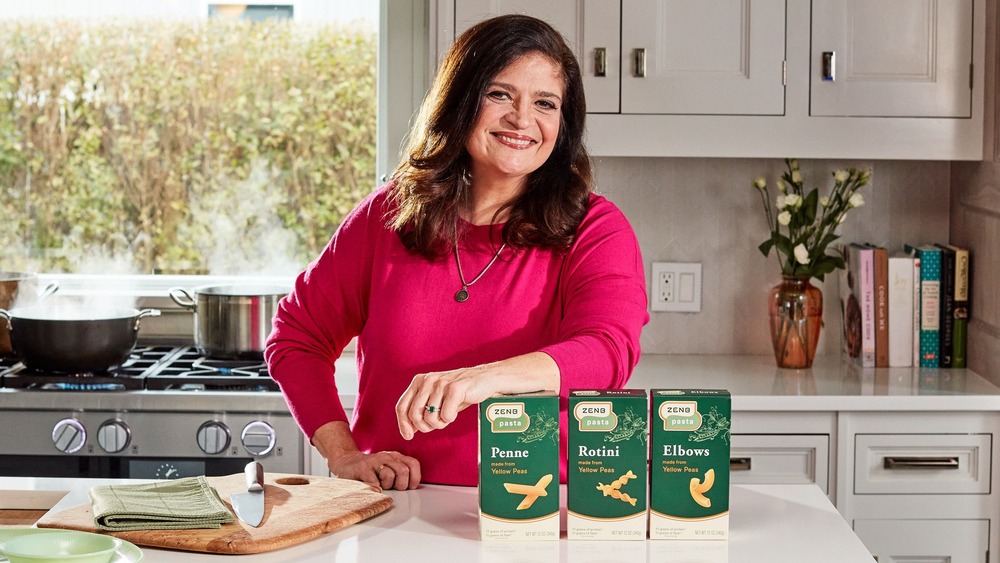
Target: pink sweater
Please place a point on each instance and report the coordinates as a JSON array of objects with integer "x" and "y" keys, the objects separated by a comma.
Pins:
[{"x": 585, "y": 309}]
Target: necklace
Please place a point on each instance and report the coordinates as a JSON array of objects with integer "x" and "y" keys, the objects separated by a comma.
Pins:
[{"x": 462, "y": 295}]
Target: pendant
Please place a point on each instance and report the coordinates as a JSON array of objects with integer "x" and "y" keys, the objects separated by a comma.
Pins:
[{"x": 462, "y": 295}]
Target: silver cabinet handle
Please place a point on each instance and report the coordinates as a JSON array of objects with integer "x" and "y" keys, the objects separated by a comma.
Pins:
[
  {"x": 829, "y": 65},
  {"x": 600, "y": 61},
  {"x": 944, "y": 462},
  {"x": 639, "y": 62},
  {"x": 739, "y": 463}
]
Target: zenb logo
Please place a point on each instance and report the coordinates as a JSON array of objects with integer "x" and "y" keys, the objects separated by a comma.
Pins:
[
  {"x": 680, "y": 415},
  {"x": 507, "y": 417},
  {"x": 595, "y": 416}
]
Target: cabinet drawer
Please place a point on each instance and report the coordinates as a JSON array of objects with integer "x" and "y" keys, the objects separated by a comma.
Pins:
[
  {"x": 780, "y": 458},
  {"x": 944, "y": 541},
  {"x": 922, "y": 463}
]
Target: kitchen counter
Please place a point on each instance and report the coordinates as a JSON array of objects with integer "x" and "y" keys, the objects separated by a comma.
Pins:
[
  {"x": 754, "y": 381},
  {"x": 768, "y": 523},
  {"x": 756, "y": 384}
]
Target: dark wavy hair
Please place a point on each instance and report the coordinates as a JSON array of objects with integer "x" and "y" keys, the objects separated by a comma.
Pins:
[{"x": 430, "y": 185}]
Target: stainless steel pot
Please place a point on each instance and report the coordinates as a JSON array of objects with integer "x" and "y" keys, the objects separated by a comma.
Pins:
[
  {"x": 231, "y": 321},
  {"x": 78, "y": 340},
  {"x": 12, "y": 286}
]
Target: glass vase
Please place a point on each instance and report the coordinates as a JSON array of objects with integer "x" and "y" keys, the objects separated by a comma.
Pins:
[{"x": 796, "y": 313}]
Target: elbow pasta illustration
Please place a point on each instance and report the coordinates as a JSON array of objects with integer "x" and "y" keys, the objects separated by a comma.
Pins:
[
  {"x": 699, "y": 488},
  {"x": 613, "y": 489}
]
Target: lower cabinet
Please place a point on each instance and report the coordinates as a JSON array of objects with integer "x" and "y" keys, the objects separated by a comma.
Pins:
[
  {"x": 927, "y": 541},
  {"x": 920, "y": 486},
  {"x": 786, "y": 458}
]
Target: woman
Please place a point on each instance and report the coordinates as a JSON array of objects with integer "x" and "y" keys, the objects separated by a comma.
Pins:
[{"x": 484, "y": 267}]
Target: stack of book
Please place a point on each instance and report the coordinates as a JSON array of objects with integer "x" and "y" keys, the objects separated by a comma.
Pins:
[{"x": 907, "y": 308}]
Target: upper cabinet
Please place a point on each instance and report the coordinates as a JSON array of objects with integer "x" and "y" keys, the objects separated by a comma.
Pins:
[
  {"x": 892, "y": 58},
  {"x": 894, "y": 79}
]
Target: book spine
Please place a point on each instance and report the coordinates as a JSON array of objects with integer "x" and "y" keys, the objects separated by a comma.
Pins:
[
  {"x": 880, "y": 257},
  {"x": 900, "y": 311},
  {"x": 947, "y": 306},
  {"x": 930, "y": 301},
  {"x": 867, "y": 283},
  {"x": 915, "y": 323},
  {"x": 960, "y": 330}
]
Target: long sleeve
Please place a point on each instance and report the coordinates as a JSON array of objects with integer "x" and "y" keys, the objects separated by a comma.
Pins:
[{"x": 604, "y": 303}]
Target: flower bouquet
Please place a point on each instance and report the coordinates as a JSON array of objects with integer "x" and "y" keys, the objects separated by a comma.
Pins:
[{"x": 802, "y": 226}]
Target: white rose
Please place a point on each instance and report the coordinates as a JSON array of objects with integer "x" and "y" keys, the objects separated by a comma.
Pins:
[
  {"x": 760, "y": 183},
  {"x": 793, "y": 200},
  {"x": 824, "y": 201},
  {"x": 856, "y": 201},
  {"x": 781, "y": 186},
  {"x": 784, "y": 218},
  {"x": 841, "y": 176},
  {"x": 801, "y": 254},
  {"x": 780, "y": 202},
  {"x": 796, "y": 176}
]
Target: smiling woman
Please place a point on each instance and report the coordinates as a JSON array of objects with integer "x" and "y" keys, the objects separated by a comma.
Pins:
[{"x": 172, "y": 143}]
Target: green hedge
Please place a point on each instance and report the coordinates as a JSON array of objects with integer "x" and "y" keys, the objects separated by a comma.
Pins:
[{"x": 181, "y": 147}]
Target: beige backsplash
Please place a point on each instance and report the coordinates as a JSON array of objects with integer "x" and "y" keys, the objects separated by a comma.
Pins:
[{"x": 706, "y": 210}]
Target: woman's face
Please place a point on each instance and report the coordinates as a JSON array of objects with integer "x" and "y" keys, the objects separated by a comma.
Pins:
[{"x": 518, "y": 121}]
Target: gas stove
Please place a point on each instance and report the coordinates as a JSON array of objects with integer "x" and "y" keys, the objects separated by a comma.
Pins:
[
  {"x": 152, "y": 368},
  {"x": 167, "y": 412}
]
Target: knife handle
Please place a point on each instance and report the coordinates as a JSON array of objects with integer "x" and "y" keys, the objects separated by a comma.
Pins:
[{"x": 254, "y": 473}]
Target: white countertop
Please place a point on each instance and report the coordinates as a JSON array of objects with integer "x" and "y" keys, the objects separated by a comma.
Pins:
[
  {"x": 756, "y": 384},
  {"x": 768, "y": 524}
]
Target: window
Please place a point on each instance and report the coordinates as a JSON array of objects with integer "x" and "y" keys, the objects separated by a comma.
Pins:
[{"x": 183, "y": 137}]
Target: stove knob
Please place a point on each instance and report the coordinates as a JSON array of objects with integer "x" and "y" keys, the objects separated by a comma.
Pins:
[
  {"x": 113, "y": 436},
  {"x": 69, "y": 435},
  {"x": 213, "y": 437},
  {"x": 258, "y": 437}
]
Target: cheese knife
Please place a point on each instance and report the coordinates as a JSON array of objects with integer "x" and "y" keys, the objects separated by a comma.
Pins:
[{"x": 249, "y": 506}]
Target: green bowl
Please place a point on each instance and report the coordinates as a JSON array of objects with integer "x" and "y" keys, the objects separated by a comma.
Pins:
[{"x": 74, "y": 547}]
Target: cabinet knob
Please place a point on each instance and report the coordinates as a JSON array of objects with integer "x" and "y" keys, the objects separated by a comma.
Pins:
[
  {"x": 639, "y": 62},
  {"x": 829, "y": 65},
  {"x": 600, "y": 62}
]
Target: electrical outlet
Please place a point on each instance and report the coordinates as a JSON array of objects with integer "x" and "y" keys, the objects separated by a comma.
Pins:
[
  {"x": 666, "y": 287},
  {"x": 676, "y": 287}
]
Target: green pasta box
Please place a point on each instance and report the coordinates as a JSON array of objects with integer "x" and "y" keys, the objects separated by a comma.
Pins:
[
  {"x": 519, "y": 467},
  {"x": 689, "y": 464},
  {"x": 607, "y": 469}
]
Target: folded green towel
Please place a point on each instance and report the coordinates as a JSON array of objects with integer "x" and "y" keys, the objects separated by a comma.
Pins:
[{"x": 166, "y": 505}]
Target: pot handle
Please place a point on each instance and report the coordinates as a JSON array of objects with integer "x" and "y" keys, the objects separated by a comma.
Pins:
[
  {"x": 146, "y": 313},
  {"x": 48, "y": 290},
  {"x": 6, "y": 317},
  {"x": 183, "y": 298}
]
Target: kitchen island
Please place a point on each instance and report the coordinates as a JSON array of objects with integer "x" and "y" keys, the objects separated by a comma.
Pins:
[{"x": 768, "y": 523}]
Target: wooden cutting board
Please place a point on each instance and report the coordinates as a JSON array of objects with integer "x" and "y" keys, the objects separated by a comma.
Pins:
[{"x": 297, "y": 508}]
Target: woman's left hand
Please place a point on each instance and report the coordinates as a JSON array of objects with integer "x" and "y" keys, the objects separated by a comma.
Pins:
[{"x": 433, "y": 400}]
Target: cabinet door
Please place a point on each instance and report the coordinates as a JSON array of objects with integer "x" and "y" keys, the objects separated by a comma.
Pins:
[
  {"x": 892, "y": 58},
  {"x": 705, "y": 57},
  {"x": 905, "y": 541},
  {"x": 785, "y": 459},
  {"x": 591, "y": 29}
]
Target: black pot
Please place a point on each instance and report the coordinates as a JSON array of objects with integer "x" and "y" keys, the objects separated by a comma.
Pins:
[{"x": 84, "y": 340}]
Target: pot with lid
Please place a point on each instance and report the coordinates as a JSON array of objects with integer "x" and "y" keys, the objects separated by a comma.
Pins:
[
  {"x": 78, "y": 339},
  {"x": 231, "y": 321}
]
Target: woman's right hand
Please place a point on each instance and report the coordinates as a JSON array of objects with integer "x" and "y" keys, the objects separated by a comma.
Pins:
[{"x": 386, "y": 469}]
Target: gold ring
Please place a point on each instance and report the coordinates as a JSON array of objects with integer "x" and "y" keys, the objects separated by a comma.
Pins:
[{"x": 380, "y": 468}]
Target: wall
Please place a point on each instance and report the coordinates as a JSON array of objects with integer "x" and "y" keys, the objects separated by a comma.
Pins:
[
  {"x": 706, "y": 210},
  {"x": 975, "y": 223}
]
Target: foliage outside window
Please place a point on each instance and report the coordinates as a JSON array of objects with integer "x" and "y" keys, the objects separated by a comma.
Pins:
[{"x": 223, "y": 147}]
